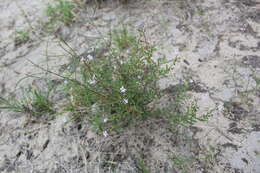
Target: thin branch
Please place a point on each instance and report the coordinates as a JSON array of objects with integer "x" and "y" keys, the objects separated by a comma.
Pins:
[{"x": 66, "y": 78}]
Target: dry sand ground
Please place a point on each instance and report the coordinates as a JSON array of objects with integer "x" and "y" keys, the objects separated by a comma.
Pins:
[{"x": 218, "y": 45}]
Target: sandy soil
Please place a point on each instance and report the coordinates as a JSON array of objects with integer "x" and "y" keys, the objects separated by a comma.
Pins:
[{"x": 218, "y": 45}]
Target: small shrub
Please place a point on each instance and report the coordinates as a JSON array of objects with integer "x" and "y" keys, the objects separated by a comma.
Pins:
[
  {"x": 115, "y": 90},
  {"x": 61, "y": 11}
]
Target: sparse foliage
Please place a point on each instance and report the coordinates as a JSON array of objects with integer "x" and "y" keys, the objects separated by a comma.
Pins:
[
  {"x": 61, "y": 11},
  {"x": 34, "y": 102},
  {"x": 21, "y": 37}
]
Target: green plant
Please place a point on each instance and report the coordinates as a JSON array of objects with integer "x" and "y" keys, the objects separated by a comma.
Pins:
[
  {"x": 123, "y": 39},
  {"x": 61, "y": 11},
  {"x": 141, "y": 166},
  {"x": 21, "y": 37},
  {"x": 13, "y": 104},
  {"x": 207, "y": 157},
  {"x": 115, "y": 90},
  {"x": 183, "y": 163},
  {"x": 257, "y": 84},
  {"x": 35, "y": 102},
  {"x": 183, "y": 110},
  {"x": 200, "y": 11}
]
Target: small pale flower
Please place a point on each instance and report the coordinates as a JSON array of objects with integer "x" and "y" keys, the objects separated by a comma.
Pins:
[
  {"x": 105, "y": 133},
  {"x": 177, "y": 52},
  {"x": 125, "y": 101},
  {"x": 66, "y": 82},
  {"x": 122, "y": 89},
  {"x": 92, "y": 81},
  {"x": 90, "y": 57},
  {"x": 105, "y": 120},
  {"x": 220, "y": 107}
]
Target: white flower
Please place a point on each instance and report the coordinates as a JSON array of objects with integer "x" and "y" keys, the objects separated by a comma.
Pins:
[
  {"x": 105, "y": 133},
  {"x": 105, "y": 120},
  {"x": 177, "y": 52},
  {"x": 122, "y": 89},
  {"x": 92, "y": 81},
  {"x": 125, "y": 101},
  {"x": 90, "y": 57},
  {"x": 66, "y": 82},
  {"x": 220, "y": 107}
]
